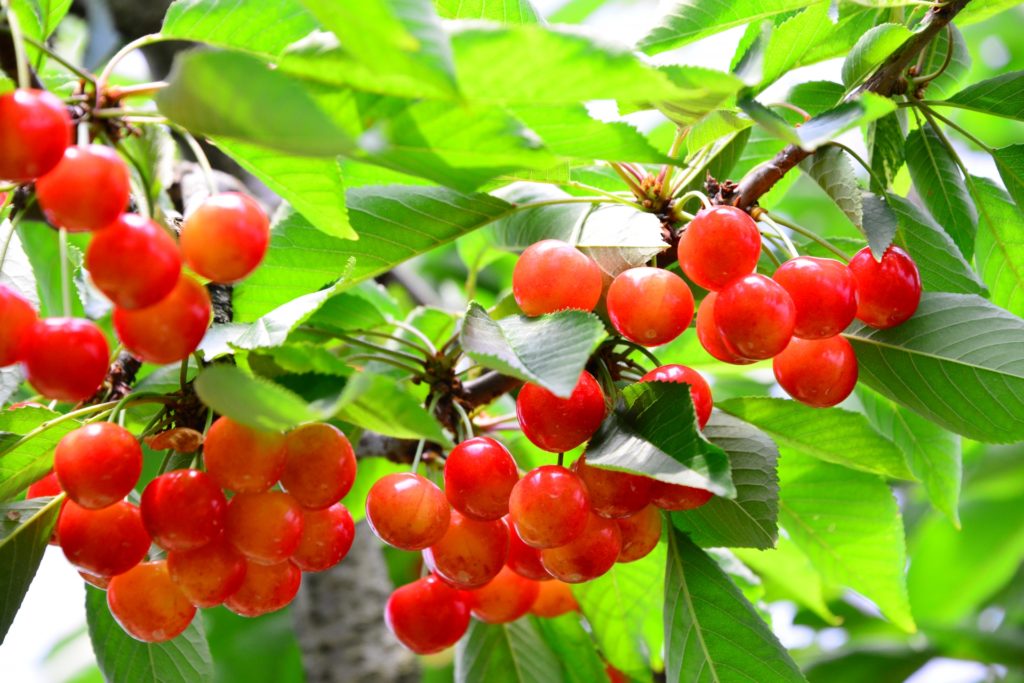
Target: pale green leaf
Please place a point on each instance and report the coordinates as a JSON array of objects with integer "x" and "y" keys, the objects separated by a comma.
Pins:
[
  {"x": 25, "y": 528},
  {"x": 378, "y": 403},
  {"x": 24, "y": 461},
  {"x": 264, "y": 28},
  {"x": 871, "y": 50},
  {"x": 1000, "y": 244},
  {"x": 253, "y": 401},
  {"x": 1010, "y": 162},
  {"x": 787, "y": 574},
  {"x": 504, "y": 11}
]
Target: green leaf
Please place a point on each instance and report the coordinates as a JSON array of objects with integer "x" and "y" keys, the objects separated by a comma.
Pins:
[
  {"x": 550, "y": 350},
  {"x": 25, "y": 528},
  {"x": 816, "y": 97},
  {"x": 507, "y": 653},
  {"x": 941, "y": 187},
  {"x": 711, "y": 632},
  {"x": 23, "y": 463},
  {"x": 505, "y": 11},
  {"x": 1010, "y": 162},
  {"x": 253, "y": 401},
  {"x": 749, "y": 520},
  {"x": 41, "y": 243},
  {"x": 824, "y": 127},
  {"x": 377, "y": 403},
  {"x": 264, "y": 28},
  {"x": 39, "y": 18},
  {"x": 881, "y": 664},
  {"x": 699, "y": 92},
  {"x": 790, "y": 40},
  {"x": 853, "y": 23},
  {"x": 769, "y": 121},
  {"x": 787, "y": 574},
  {"x": 1000, "y": 244},
  {"x": 122, "y": 659},
  {"x": 999, "y": 96},
  {"x": 574, "y": 647},
  {"x": 833, "y": 171},
  {"x": 885, "y": 148},
  {"x": 569, "y": 131},
  {"x": 935, "y": 54},
  {"x": 871, "y": 50},
  {"x": 879, "y": 222},
  {"x": 247, "y": 649}
]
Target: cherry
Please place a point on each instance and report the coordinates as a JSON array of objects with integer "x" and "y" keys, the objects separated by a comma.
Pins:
[
  {"x": 133, "y": 261},
  {"x": 35, "y": 129},
  {"x": 226, "y": 237},
  {"x": 66, "y": 358},
  {"x": 552, "y": 275},
  {"x": 709, "y": 336},
  {"x": 470, "y": 553},
  {"x": 327, "y": 537},
  {"x": 650, "y": 306},
  {"x": 524, "y": 559},
  {"x": 266, "y": 588},
  {"x": 45, "y": 487},
  {"x": 614, "y": 675},
  {"x": 640, "y": 533},
  {"x": 101, "y": 582},
  {"x": 427, "y": 615},
  {"x": 755, "y": 317},
  {"x": 208, "y": 575},
  {"x": 169, "y": 330},
  {"x": 265, "y": 527},
  {"x": 589, "y": 555},
  {"x": 98, "y": 464},
  {"x": 561, "y": 424},
  {"x": 407, "y": 511},
  {"x": 478, "y": 478},
  {"x": 320, "y": 465},
  {"x": 719, "y": 245},
  {"x": 700, "y": 391},
  {"x": 676, "y": 497},
  {"x": 549, "y": 507},
  {"x": 889, "y": 291},
  {"x": 613, "y": 493},
  {"x": 824, "y": 292},
  {"x": 103, "y": 542},
  {"x": 505, "y": 598},
  {"x": 183, "y": 509},
  {"x": 818, "y": 372},
  {"x": 243, "y": 459},
  {"x": 17, "y": 318},
  {"x": 148, "y": 605},
  {"x": 87, "y": 190},
  {"x": 554, "y": 598}
]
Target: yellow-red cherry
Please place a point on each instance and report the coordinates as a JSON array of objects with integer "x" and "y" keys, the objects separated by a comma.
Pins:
[
  {"x": 824, "y": 292},
  {"x": 554, "y": 598},
  {"x": 675, "y": 497},
  {"x": 818, "y": 372},
  {"x": 133, "y": 261},
  {"x": 650, "y": 306},
  {"x": 755, "y": 317},
  {"x": 700, "y": 390},
  {"x": 427, "y": 615},
  {"x": 589, "y": 555},
  {"x": 35, "y": 129},
  {"x": 104, "y": 542},
  {"x": 552, "y": 275},
  {"x": 226, "y": 237},
  {"x": 320, "y": 465},
  {"x": 169, "y": 330},
  {"x": 613, "y": 493},
  {"x": 147, "y": 603},
  {"x": 524, "y": 559},
  {"x": 265, "y": 527},
  {"x": 407, "y": 511},
  {"x": 549, "y": 507},
  {"x": 504, "y": 598},
  {"x": 719, "y": 245},
  {"x": 561, "y": 424},
  {"x": 243, "y": 459},
  {"x": 266, "y": 588},
  {"x": 479, "y": 474},
  {"x": 208, "y": 575},
  {"x": 183, "y": 509},
  {"x": 888, "y": 291},
  {"x": 327, "y": 537},
  {"x": 86, "y": 191},
  {"x": 470, "y": 553},
  {"x": 98, "y": 464},
  {"x": 709, "y": 336},
  {"x": 17, "y": 318},
  {"x": 66, "y": 358},
  {"x": 640, "y": 533}
]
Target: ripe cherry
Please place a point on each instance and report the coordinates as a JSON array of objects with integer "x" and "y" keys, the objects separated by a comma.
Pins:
[
  {"x": 35, "y": 129},
  {"x": 505, "y": 598},
  {"x": 98, "y": 464},
  {"x": 17, "y": 318},
  {"x": 554, "y": 598},
  {"x": 675, "y": 497},
  {"x": 45, "y": 487},
  {"x": 470, "y": 553},
  {"x": 320, "y": 465},
  {"x": 755, "y": 317},
  {"x": 549, "y": 507},
  {"x": 719, "y": 245},
  {"x": 243, "y": 459},
  {"x": 818, "y": 372},
  {"x": 478, "y": 478},
  {"x": 824, "y": 292},
  {"x": 589, "y": 555},
  {"x": 133, "y": 261},
  {"x": 709, "y": 336},
  {"x": 266, "y": 588},
  {"x": 700, "y": 391},
  {"x": 327, "y": 537},
  {"x": 561, "y": 424},
  {"x": 889, "y": 291},
  {"x": 87, "y": 190},
  {"x": 650, "y": 306},
  {"x": 103, "y": 542},
  {"x": 407, "y": 511},
  {"x": 552, "y": 275},
  {"x": 208, "y": 575},
  {"x": 226, "y": 237},
  {"x": 613, "y": 493},
  {"x": 66, "y": 358},
  {"x": 148, "y": 605},
  {"x": 183, "y": 509},
  {"x": 169, "y": 330},
  {"x": 427, "y": 615},
  {"x": 640, "y": 534},
  {"x": 524, "y": 559},
  {"x": 265, "y": 527},
  {"x": 101, "y": 582}
]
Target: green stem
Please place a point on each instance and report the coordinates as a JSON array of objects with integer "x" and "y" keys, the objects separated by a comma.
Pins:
[
  {"x": 629, "y": 180},
  {"x": 201, "y": 158},
  {"x": 812, "y": 236},
  {"x": 183, "y": 373},
  {"x": 922, "y": 80},
  {"x": 419, "y": 455},
  {"x": 664, "y": 192},
  {"x": 138, "y": 397},
  {"x": 391, "y": 353},
  {"x": 704, "y": 201},
  {"x": 18, "y": 38},
  {"x": 771, "y": 257},
  {"x": 8, "y": 238},
  {"x": 108, "y": 70},
  {"x": 957, "y": 128},
  {"x": 467, "y": 424},
  {"x": 394, "y": 338},
  {"x": 642, "y": 349},
  {"x": 45, "y": 49},
  {"x": 65, "y": 276},
  {"x": 411, "y": 329},
  {"x": 777, "y": 229},
  {"x": 394, "y": 363},
  {"x": 73, "y": 415}
]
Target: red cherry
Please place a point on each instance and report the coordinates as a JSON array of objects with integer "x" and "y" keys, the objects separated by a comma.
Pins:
[
  {"x": 561, "y": 424},
  {"x": 818, "y": 372},
  {"x": 614, "y": 675},
  {"x": 613, "y": 493},
  {"x": 427, "y": 615},
  {"x": 700, "y": 391},
  {"x": 35, "y": 129},
  {"x": 640, "y": 534},
  {"x": 103, "y": 542},
  {"x": 755, "y": 317},
  {"x": 407, "y": 511},
  {"x": 552, "y": 275},
  {"x": 478, "y": 478},
  {"x": 589, "y": 555},
  {"x": 327, "y": 537},
  {"x": 87, "y": 190},
  {"x": 650, "y": 306},
  {"x": 675, "y": 497},
  {"x": 524, "y": 559},
  {"x": 549, "y": 507},
  {"x": 98, "y": 464},
  {"x": 226, "y": 237},
  {"x": 243, "y": 459},
  {"x": 554, "y": 598},
  {"x": 470, "y": 553},
  {"x": 320, "y": 465},
  {"x": 505, "y": 598},
  {"x": 888, "y": 292},
  {"x": 169, "y": 330},
  {"x": 66, "y": 358},
  {"x": 208, "y": 575},
  {"x": 824, "y": 292},
  {"x": 266, "y": 588},
  {"x": 101, "y": 582},
  {"x": 45, "y": 487},
  {"x": 17, "y": 318},
  {"x": 133, "y": 261},
  {"x": 148, "y": 605},
  {"x": 183, "y": 509},
  {"x": 719, "y": 245},
  {"x": 709, "y": 336},
  {"x": 265, "y": 527}
]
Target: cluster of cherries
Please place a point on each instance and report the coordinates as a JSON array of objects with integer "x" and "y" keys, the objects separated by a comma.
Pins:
[
  {"x": 246, "y": 552},
  {"x": 160, "y": 313}
]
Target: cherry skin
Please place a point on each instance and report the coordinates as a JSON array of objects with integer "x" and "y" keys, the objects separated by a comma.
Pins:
[
  {"x": 549, "y": 507},
  {"x": 889, "y": 291},
  {"x": 709, "y": 336},
  {"x": 554, "y": 598},
  {"x": 148, "y": 605},
  {"x": 45, "y": 487},
  {"x": 101, "y": 582},
  {"x": 407, "y": 511},
  {"x": 675, "y": 497},
  {"x": 470, "y": 553},
  {"x": 505, "y": 598},
  {"x": 524, "y": 559},
  {"x": 700, "y": 391},
  {"x": 183, "y": 510},
  {"x": 243, "y": 459},
  {"x": 719, "y": 245},
  {"x": 265, "y": 527},
  {"x": 169, "y": 330},
  {"x": 589, "y": 555},
  {"x": 86, "y": 191},
  {"x": 427, "y": 615},
  {"x": 327, "y": 537},
  {"x": 226, "y": 237},
  {"x": 552, "y": 275},
  {"x": 561, "y": 424},
  {"x": 35, "y": 129},
  {"x": 650, "y": 306},
  {"x": 133, "y": 261},
  {"x": 478, "y": 478},
  {"x": 818, "y": 372},
  {"x": 103, "y": 542},
  {"x": 640, "y": 534},
  {"x": 612, "y": 493},
  {"x": 320, "y": 465},
  {"x": 755, "y": 317},
  {"x": 98, "y": 464},
  {"x": 208, "y": 575},
  {"x": 266, "y": 588},
  {"x": 66, "y": 358},
  {"x": 17, "y": 318},
  {"x": 824, "y": 292}
]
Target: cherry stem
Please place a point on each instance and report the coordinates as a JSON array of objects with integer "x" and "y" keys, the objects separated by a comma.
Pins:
[
  {"x": 18, "y": 38},
  {"x": 705, "y": 202},
  {"x": 792, "y": 107},
  {"x": 638, "y": 347},
  {"x": 73, "y": 415},
  {"x": 924, "y": 80},
  {"x": 771, "y": 257},
  {"x": 138, "y": 397},
  {"x": 388, "y": 361},
  {"x": 201, "y": 159},
  {"x": 65, "y": 276},
  {"x": 467, "y": 424},
  {"x": 9, "y": 237},
  {"x": 120, "y": 92},
  {"x": 416, "y": 332},
  {"x": 394, "y": 338},
  {"x": 630, "y": 180},
  {"x": 45, "y": 49},
  {"x": 108, "y": 70},
  {"x": 955, "y": 126},
  {"x": 391, "y": 353},
  {"x": 420, "y": 446},
  {"x": 777, "y": 229},
  {"x": 813, "y": 236}
]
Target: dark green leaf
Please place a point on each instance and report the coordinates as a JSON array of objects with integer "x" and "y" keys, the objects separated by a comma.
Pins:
[
  {"x": 1010, "y": 162},
  {"x": 22, "y": 463},
  {"x": 508, "y": 653},
  {"x": 253, "y": 401},
  {"x": 879, "y": 222},
  {"x": 25, "y": 529},
  {"x": 941, "y": 187},
  {"x": 378, "y": 403},
  {"x": 1000, "y": 244},
  {"x": 505, "y": 11},
  {"x": 885, "y": 148},
  {"x": 871, "y": 50},
  {"x": 263, "y": 28},
  {"x": 999, "y": 96},
  {"x": 833, "y": 171},
  {"x": 574, "y": 647}
]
